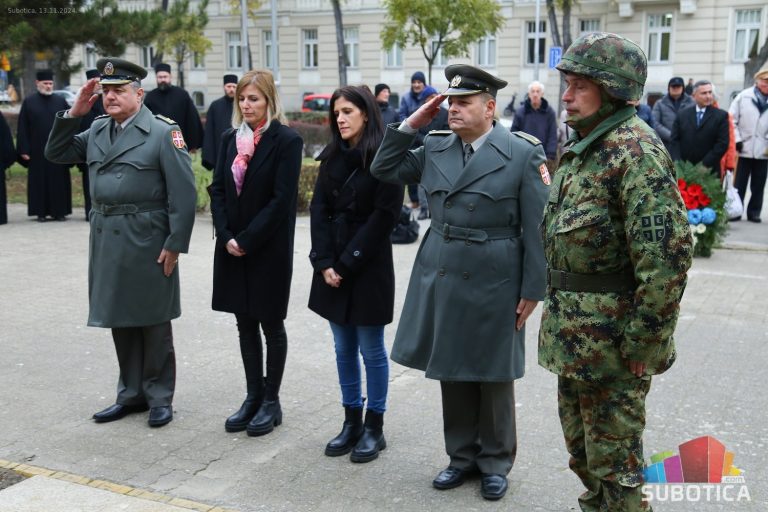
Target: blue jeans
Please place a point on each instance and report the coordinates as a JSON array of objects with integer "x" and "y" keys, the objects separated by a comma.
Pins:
[{"x": 350, "y": 340}]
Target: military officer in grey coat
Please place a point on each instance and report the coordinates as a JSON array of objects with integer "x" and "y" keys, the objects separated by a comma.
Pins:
[
  {"x": 144, "y": 197},
  {"x": 479, "y": 272}
]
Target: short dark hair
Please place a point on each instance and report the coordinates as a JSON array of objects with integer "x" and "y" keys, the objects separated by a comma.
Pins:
[
  {"x": 373, "y": 133},
  {"x": 700, "y": 83}
]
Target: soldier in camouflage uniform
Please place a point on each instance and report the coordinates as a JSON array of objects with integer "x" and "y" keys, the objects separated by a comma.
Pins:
[{"x": 618, "y": 248}]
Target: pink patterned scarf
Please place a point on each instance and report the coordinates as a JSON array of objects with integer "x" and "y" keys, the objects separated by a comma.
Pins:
[{"x": 246, "y": 140}]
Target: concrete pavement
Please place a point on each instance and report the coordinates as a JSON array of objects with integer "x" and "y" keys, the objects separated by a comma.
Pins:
[{"x": 55, "y": 372}]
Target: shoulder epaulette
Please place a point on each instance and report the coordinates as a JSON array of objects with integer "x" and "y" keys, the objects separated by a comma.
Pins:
[
  {"x": 440, "y": 132},
  {"x": 102, "y": 116},
  {"x": 166, "y": 119},
  {"x": 530, "y": 138}
]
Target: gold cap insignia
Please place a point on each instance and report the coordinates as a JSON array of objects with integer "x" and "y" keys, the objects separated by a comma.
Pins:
[
  {"x": 456, "y": 81},
  {"x": 109, "y": 69}
]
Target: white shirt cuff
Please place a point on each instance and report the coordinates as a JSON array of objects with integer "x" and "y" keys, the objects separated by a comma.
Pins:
[{"x": 405, "y": 127}]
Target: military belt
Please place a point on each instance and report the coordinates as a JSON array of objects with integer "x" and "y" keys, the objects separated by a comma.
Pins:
[
  {"x": 595, "y": 283},
  {"x": 449, "y": 232},
  {"x": 125, "y": 209}
]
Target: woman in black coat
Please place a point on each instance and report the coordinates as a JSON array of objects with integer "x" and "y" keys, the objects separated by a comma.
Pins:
[
  {"x": 253, "y": 202},
  {"x": 353, "y": 286}
]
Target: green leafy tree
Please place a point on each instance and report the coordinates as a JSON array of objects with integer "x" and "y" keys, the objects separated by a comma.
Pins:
[
  {"x": 447, "y": 26},
  {"x": 182, "y": 33}
]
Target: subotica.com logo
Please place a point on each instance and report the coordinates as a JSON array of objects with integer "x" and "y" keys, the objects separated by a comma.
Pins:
[{"x": 702, "y": 471}]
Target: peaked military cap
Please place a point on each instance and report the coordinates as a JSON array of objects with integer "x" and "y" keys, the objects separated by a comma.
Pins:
[
  {"x": 466, "y": 80},
  {"x": 119, "y": 71}
]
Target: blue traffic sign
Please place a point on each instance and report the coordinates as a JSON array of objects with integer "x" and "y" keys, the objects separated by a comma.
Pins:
[{"x": 555, "y": 54}]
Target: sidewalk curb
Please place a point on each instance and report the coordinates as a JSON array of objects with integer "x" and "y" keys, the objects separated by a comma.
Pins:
[{"x": 30, "y": 471}]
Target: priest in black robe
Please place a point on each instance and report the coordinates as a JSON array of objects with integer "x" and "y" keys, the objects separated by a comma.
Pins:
[
  {"x": 87, "y": 120},
  {"x": 7, "y": 157},
  {"x": 174, "y": 102},
  {"x": 49, "y": 185},
  {"x": 217, "y": 121}
]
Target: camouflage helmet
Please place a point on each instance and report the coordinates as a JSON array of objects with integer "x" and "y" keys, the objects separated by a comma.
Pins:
[{"x": 612, "y": 61}]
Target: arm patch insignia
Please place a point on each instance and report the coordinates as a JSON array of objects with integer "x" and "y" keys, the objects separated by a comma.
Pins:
[{"x": 653, "y": 227}]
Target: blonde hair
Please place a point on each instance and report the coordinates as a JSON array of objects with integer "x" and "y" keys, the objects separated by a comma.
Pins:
[{"x": 265, "y": 83}]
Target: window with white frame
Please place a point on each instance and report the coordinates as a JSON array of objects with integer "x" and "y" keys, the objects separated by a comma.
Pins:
[
  {"x": 394, "y": 57},
  {"x": 746, "y": 33},
  {"x": 266, "y": 45},
  {"x": 199, "y": 99},
  {"x": 234, "y": 50},
  {"x": 440, "y": 60},
  {"x": 659, "y": 37},
  {"x": 147, "y": 54},
  {"x": 309, "y": 46},
  {"x": 531, "y": 35},
  {"x": 587, "y": 26},
  {"x": 486, "y": 52},
  {"x": 90, "y": 56},
  {"x": 352, "y": 46},
  {"x": 198, "y": 60}
]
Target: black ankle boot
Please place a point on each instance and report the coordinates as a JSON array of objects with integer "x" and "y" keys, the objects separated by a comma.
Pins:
[
  {"x": 350, "y": 433},
  {"x": 238, "y": 421},
  {"x": 270, "y": 415},
  {"x": 372, "y": 440}
]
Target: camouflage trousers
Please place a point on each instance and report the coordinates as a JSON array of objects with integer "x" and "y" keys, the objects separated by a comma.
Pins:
[{"x": 603, "y": 427}]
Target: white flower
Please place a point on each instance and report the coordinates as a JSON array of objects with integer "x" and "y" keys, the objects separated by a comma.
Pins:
[{"x": 701, "y": 228}]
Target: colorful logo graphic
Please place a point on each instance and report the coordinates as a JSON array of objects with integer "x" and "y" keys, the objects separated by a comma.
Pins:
[{"x": 701, "y": 460}]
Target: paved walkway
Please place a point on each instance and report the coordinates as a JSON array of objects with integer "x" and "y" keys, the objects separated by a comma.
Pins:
[{"x": 55, "y": 372}]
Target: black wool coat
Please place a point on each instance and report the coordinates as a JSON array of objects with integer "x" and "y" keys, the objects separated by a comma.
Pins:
[
  {"x": 352, "y": 215},
  {"x": 706, "y": 143},
  {"x": 262, "y": 220}
]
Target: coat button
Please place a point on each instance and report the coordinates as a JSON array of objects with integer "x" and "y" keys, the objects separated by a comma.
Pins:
[
  {"x": 441, "y": 272},
  {"x": 313, "y": 254},
  {"x": 117, "y": 231},
  {"x": 471, "y": 207},
  {"x": 465, "y": 275},
  {"x": 98, "y": 230},
  {"x": 119, "y": 175},
  {"x": 356, "y": 254},
  {"x": 101, "y": 171},
  {"x": 448, "y": 205},
  {"x": 468, "y": 242},
  {"x": 447, "y": 238}
]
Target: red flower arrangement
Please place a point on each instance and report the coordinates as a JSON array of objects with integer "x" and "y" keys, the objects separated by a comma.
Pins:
[{"x": 693, "y": 195}]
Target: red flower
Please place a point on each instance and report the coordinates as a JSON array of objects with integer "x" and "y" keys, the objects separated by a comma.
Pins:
[
  {"x": 704, "y": 199},
  {"x": 694, "y": 189},
  {"x": 690, "y": 201},
  {"x": 681, "y": 184}
]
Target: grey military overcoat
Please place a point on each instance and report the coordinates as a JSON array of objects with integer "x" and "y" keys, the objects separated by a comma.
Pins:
[
  {"x": 458, "y": 320},
  {"x": 143, "y": 170}
]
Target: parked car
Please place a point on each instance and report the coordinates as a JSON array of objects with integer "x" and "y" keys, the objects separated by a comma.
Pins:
[
  {"x": 68, "y": 95},
  {"x": 316, "y": 103}
]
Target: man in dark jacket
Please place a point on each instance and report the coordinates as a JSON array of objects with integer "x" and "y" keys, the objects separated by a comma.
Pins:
[
  {"x": 535, "y": 117},
  {"x": 388, "y": 114},
  {"x": 665, "y": 112},
  {"x": 174, "y": 103},
  {"x": 49, "y": 186},
  {"x": 7, "y": 156},
  {"x": 701, "y": 132},
  {"x": 409, "y": 104},
  {"x": 217, "y": 121}
]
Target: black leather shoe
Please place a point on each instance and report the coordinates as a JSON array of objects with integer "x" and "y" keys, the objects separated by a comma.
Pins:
[
  {"x": 238, "y": 421},
  {"x": 758, "y": 220},
  {"x": 493, "y": 487},
  {"x": 118, "y": 411},
  {"x": 159, "y": 416},
  {"x": 449, "y": 478},
  {"x": 270, "y": 415}
]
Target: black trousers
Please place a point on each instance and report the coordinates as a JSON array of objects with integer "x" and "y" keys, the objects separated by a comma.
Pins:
[
  {"x": 147, "y": 365},
  {"x": 479, "y": 425},
  {"x": 754, "y": 171},
  {"x": 253, "y": 356}
]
